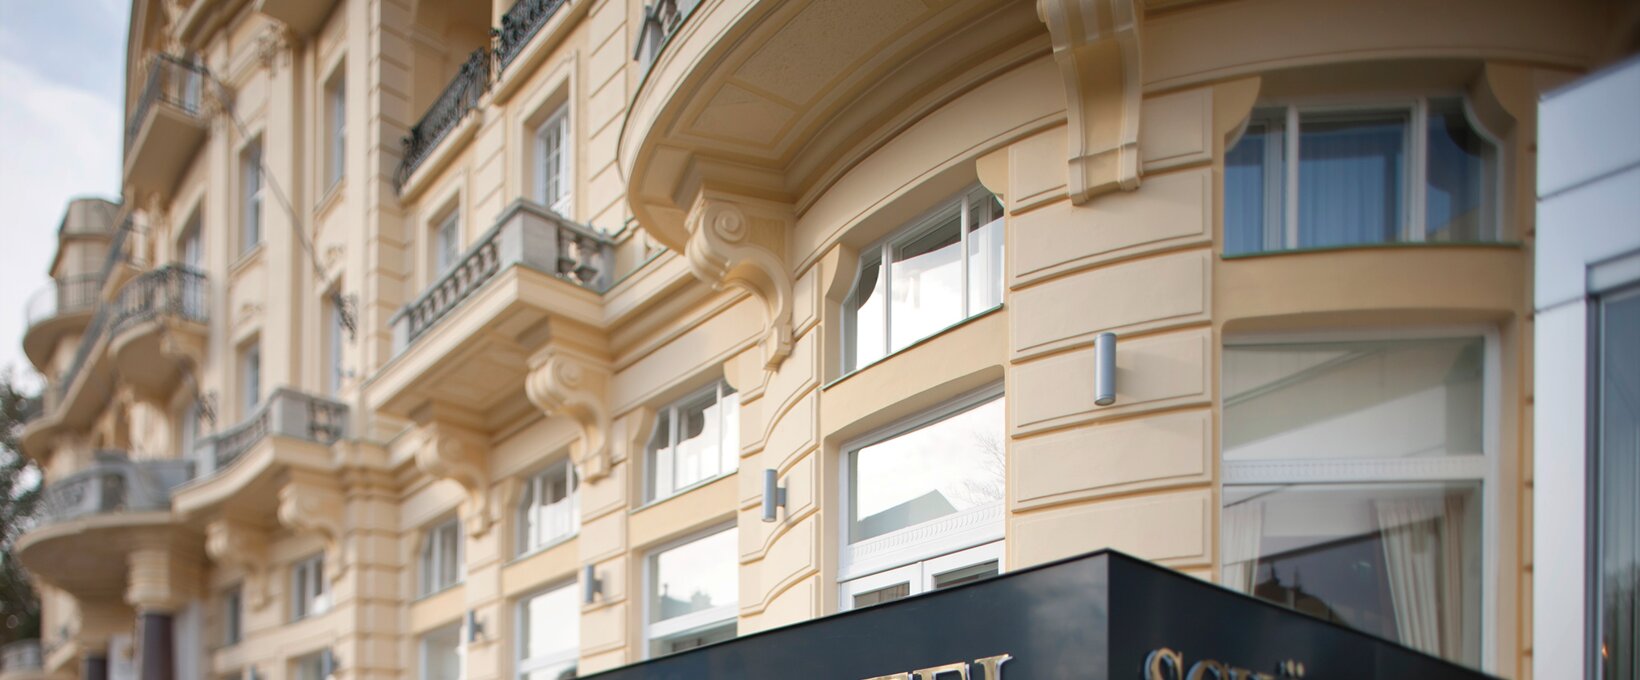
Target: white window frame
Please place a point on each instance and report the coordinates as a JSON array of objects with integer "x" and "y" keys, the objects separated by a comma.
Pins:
[
  {"x": 531, "y": 503},
  {"x": 693, "y": 622},
  {"x": 336, "y": 108},
  {"x": 253, "y": 185},
  {"x": 233, "y": 616},
  {"x": 315, "y": 599},
  {"x": 913, "y": 544},
  {"x": 1481, "y": 468},
  {"x": 1415, "y": 155},
  {"x": 564, "y": 203},
  {"x": 250, "y": 377},
  {"x": 884, "y": 257},
  {"x": 422, "y": 649},
  {"x": 446, "y": 231},
  {"x": 653, "y": 458},
  {"x": 431, "y": 578},
  {"x": 920, "y": 575},
  {"x": 521, "y": 612},
  {"x": 318, "y": 659}
]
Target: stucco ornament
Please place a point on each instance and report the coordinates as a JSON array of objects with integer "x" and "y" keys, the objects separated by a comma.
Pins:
[
  {"x": 311, "y": 501},
  {"x": 456, "y": 453},
  {"x": 570, "y": 383},
  {"x": 731, "y": 246},
  {"x": 236, "y": 543},
  {"x": 1096, "y": 44}
]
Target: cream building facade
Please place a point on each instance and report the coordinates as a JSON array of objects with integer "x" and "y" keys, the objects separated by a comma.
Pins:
[{"x": 437, "y": 339}]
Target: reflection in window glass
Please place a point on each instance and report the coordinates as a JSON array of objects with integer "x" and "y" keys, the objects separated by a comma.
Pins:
[
  {"x": 1459, "y": 196},
  {"x": 549, "y": 635},
  {"x": 945, "y": 467},
  {"x": 441, "y": 565},
  {"x": 1350, "y": 178},
  {"x": 968, "y": 574},
  {"x": 1255, "y": 186},
  {"x": 441, "y": 654},
  {"x": 898, "y": 591},
  {"x": 1618, "y": 465},
  {"x": 693, "y": 593},
  {"x": 926, "y": 281},
  {"x": 695, "y": 439},
  {"x": 549, "y": 508}
]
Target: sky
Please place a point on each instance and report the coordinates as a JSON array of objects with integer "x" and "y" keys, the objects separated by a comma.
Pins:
[{"x": 62, "y": 65}]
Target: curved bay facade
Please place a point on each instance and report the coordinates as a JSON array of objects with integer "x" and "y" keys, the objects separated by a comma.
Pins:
[{"x": 438, "y": 339}]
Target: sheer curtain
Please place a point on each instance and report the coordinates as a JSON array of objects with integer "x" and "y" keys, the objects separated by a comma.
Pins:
[
  {"x": 1350, "y": 179},
  {"x": 1423, "y": 555},
  {"x": 1243, "y": 527}
]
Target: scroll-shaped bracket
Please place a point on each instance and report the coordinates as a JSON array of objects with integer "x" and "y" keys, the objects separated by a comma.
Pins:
[
  {"x": 731, "y": 246},
  {"x": 570, "y": 383},
  {"x": 237, "y": 543},
  {"x": 311, "y": 501},
  {"x": 1096, "y": 43},
  {"x": 456, "y": 453}
]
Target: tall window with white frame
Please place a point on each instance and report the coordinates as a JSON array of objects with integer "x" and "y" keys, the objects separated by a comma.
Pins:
[
  {"x": 1353, "y": 478},
  {"x": 336, "y": 117},
  {"x": 1416, "y": 170},
  {"x": 190, "y": 249},
  {"x": 446, "y": 242},
  {"x": 925, "y": 503},
  {"x": 250, "y": 197},
  {"x": 693, "y": 593},
  {"x": 549, "y": 634},
  {"x": 250, "y": 377},
  {"x": 309, "y": 588},
  {"x": 442, "y": 565},
  {"x": 549, "y": 510},
  {"x": 696, "y": 439},
  {"x": 442, "y": 654},
  {"x": 933, "y": 273},
  {"x": 554, "y": 182}
]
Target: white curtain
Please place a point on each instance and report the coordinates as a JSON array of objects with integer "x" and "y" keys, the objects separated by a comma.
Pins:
[
  {"x": 1411, "y": 534},
  {"x": 1349, "y": 180},
  {"x": 1452, "y": 576},
  {"x": 1243, "y": 527}
]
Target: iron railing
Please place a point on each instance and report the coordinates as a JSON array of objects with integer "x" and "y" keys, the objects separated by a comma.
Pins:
[
  {"x": 518, "y": 26},
  {"x": 660, "y": 20},
  {"x": 64, "y": 296},
  {"x": 526, "y": 234},
  {"x": 21, "y": 655},
  {"x": 173, "y": 81},
  {"x": 173, "y": 290},
  {"x": 114, "y": 483},
  {"x": 287, "y": 413},
  {"x": 459, "y": 97}
]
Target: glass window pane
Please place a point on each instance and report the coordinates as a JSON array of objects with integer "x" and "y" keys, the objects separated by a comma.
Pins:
[
  {"x": 940, "y": 469},
  {"x": 1349, "y": 178},
  {"x": 551, "y": 624},
  {"x": 695, "y": 576},
  {"x": 863, "y": 316},
  {"x": 441, "y": 654},
  {"x": 1255, "y": 186},
  {"x": 688, "y": 641},
  {"x": 926, "y": 281},
  {"x": 968, "y": 574},
  {"x": 1400, "y": 561},
  {"x": 660, "y": 454},
  {"x": 1458, "y": 198},
  {"x": 557, "y": 671},
  {"x": 985, "y": 242},
  {"x": 729, "y": 409},
  {"x": 898, "y": 591},
  {"x": 697, "y": 454},
  {"x": 1391, "y": 399},
  {"x": 1618, "y": 446}
]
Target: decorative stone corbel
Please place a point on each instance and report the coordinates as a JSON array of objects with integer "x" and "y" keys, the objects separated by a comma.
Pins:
[
  {"x": 456, "y": 453},
  {"x": 311, "y": 501},
  {"x": 161, "y": 576},
  {"x": 729, "y": 245},
  {"x": 567, "y": 382},
  {"x": 1096, "y": 43},
  {"x": 240, "y": 544}
]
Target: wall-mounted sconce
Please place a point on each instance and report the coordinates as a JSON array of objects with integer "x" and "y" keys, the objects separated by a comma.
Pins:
[
  {"x": 774, "y": 495},
  {"x": 328, "y": 663},
  {"x": 252, "y": 674},
  {"x": 591, "y": 583},
  {"x": 475, "y": 630},
  {"x": 1104, "y": 371}
]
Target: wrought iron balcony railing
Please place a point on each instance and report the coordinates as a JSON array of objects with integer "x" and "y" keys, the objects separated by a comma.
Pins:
[
  {"x": 114, "y": 483},
  {"x": 22, "y": 655},
  {"x": 287, "y": 413},
  {"x": 660, "y": 20},
  {"x": 64, "y": 296},
  {"x": 173, "y": 81},
  {"x": 172, "y": 290},
  {"x": 520, "y": 24},
  {"x": 526, "y": 234},
  {"x": 459, "y": 97}
]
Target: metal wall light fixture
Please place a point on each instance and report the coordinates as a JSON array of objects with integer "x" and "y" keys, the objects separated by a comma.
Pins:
[
  {"x": 1104, "y": 370},
  {"x": 474, "y": 628},
  {"x": 592, "y": 584},
  {"x": 774, "y": 495}
]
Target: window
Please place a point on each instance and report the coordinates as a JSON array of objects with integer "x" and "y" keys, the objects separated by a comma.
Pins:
[
  {"x": 695, "y": 439},
  {"x": 927, "y": 277},
  {"x": 316, "y": 666},
  {"x": 1352, "y": 484},
  {"x": 447, "y": 242},
  {"x": 554, "y": 181},
  {"x": 925, "y": 502},
  {"x": 550, "y": 509},
  {"x": 441, "y": 653},
  {"x": 336, "y": 112},
  {"x": 189, "y": 249},
  {"x": 549, "y": 634},
  {"x": 693, "y": 591},
  {"x": 233, "y": 610},
  {"x": 309, "y": 590},
  {"x": 250, "y": 377},
  {"x": 1318, "y": 177},
  {"x": 441, "y": 557},
  {"x": 1616, "y": 475},
  {"x": 250, "y": 173},
  {"x": 334, "y": 328}
]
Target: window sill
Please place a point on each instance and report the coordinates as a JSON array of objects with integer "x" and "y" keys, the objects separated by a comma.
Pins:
[
  {"x": 332, "y": 196},
  {"x": 680, "y": 492},
  {"x": 929, "y": 338},
  {"x": 1500, "y": 245},
  {"x": 247, "y": 258},
  {"x": 549, "y": 545}
]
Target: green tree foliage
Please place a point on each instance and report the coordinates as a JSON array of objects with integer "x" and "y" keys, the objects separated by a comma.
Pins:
[{"x": 19, "y": 498}]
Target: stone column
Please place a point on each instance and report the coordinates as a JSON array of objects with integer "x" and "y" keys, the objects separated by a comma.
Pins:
[{"x": 162, "y": 578}]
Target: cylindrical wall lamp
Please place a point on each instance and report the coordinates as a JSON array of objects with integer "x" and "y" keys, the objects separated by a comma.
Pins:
[
  {"x": 1104, "y": 370},
  {"x": 774, "y": 495},
  {"x": 592, "y": 584}
]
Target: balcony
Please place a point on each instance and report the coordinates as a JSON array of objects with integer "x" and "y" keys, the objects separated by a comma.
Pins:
[
  {"x": 60, "y": 309},
  {"x": 22, "y": 659},
  {"x": 451, "y": 342},
  {"x": 303, "y": 16},
  {"x": 519, "y": 25},
  {"x": 158, "y": 324},
  {"x": 168, "y": 125},
  {"x": 239, "y": 470},
  {"x": 286, "y": 413},
  {"x": 89, "y": 519},
  {"x": 459, "y": 97}
]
